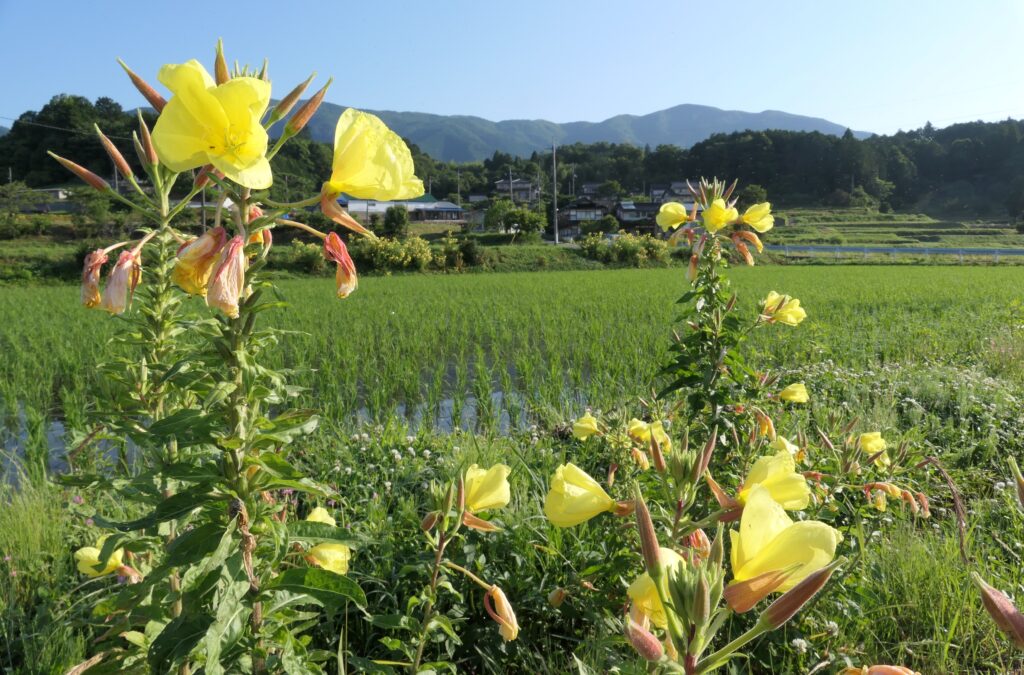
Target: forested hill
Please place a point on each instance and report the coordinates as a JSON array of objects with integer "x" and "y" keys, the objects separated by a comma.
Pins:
[
  {"x": 463, "y": 138},
  {"x": 965, "y": 170}
]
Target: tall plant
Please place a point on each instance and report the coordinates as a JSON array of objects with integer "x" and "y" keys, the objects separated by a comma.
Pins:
[{"x": 218, "y": 579}]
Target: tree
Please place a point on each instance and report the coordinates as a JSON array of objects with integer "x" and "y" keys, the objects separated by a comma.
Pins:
[
  {"x": 17, "y": 198},
  {"x": 525, "y": 221},
  {"x": 396, "y": 222},
  {"x": 610, "y": 189},
  {"x": 751, "y": 194},
  {"x": 497, "y": 218},
  {"x": 1015, "y": 198}
]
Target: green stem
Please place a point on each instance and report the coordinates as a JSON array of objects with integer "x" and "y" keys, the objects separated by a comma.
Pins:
[{"x": 715, "y": 660}]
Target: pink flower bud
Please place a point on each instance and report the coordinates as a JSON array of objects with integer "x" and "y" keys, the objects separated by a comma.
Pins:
[
  {"x": 1003, "y": 612},
  {"x": 84, "y": 174},
  {"x": 793, "y": 600},
  {"x": 643, "y": 641},
  {"x": 302, "y": 116},
  {"x": 115, "y": 155},
  {"x": 155, "y": 99}
]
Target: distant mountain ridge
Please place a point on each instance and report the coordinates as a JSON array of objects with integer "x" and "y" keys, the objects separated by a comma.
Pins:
[{"x": 464, "y": 138}]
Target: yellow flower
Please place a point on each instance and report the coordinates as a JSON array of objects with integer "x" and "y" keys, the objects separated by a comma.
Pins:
[
  {"x": 718, "y": 215},
  {"x": 195, "y": 261},
  {"x": 783, "y": 309},
  {"x": 321, "y": 515},
  {"x": 585, "y": 427},
  {"x": 575, "y": 497},
  {"x": 644, "y": 594},
  {"x": 759, "y": 217},
  {"x": 795, "y": 393},
  {"x": 88, "y": 557},
  {"x": 498, "y": 606},
  {"x": 228, "y": 281},
  {"x": 371, "y": 161},
  {"x": 781, "y": 443},
  {"x": 487, "y": 488},
  {"x": 671, "y": 215},
  {"x": 871, "y": 443},
  {"x": 331, "y": 557},
  {"x": 641, "y": 432},
  {"x": 768, "y": 542},
  {"x": 777, "y": 475},
  {"x": 206, "y": 123}
]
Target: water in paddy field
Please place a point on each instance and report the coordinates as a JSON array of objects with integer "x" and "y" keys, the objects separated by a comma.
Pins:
[{"x": 29, "y": 442}]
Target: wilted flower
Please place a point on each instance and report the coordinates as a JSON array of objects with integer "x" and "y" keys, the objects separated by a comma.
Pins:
[
  {"x": 497, "y": 605},
  {"x": 575, "y": 497},
  {"x": 759, "y": 217},
  {"x": 117, "y": 295},
  {"x": 585, "y": 427},
  {"x": 557, "y": 597},
  {"x": 195, "y": 261},
  {"x": 345, "y": 278},
  {"x": 228, "y": 282},
  {"x": 218, "y": 124},
  {"x": 94, "y": 262},
  {"x": 795, "y": 393},
  {"x": 717, "y": 215}
]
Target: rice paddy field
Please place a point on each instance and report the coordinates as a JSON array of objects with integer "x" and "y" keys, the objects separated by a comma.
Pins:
[{"x": 417, "y": 375}]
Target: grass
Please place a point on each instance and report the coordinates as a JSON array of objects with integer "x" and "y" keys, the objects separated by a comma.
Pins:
[{"x": 930, "y": 355}]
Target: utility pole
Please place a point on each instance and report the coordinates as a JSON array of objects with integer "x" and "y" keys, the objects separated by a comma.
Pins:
[{"x": 554, "y": 190}]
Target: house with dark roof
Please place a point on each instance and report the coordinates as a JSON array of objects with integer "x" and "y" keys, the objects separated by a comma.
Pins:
[{"x": 519, "y": 190}]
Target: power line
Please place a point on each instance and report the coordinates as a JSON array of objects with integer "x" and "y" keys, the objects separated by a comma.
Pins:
[{"x": 56, "y": 128}]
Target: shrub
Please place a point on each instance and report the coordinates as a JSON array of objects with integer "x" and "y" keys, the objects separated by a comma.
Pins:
[{"x": 306, "y": 257}]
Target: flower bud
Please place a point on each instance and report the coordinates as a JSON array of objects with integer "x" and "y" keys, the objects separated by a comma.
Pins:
[
  {"x": 430, "y": 520},
  {"x": 1003, "y": 612},
  {"x": 220, "y": 65},
  {"x": 203, "y": 177},
  {"x": 288, "y": 102},
  {"x": 742, "y": 596},
  {"x": 557, "y": 597},
  {"x": 923, "y": 500},
  {"x": 155, "y": 99},
  {"x": 643, "y": 641},
  {"x": 701, "y": 600},
  {"x": 793, "y": 600},
  {"x": 84, "y": 174},
  {"x": 147, "y": 143},
  {"x": 302, "y": 116},
  {"x": 691, "y": 269},
  {"x": 114, "y": 154},
  {"x": 648, "y": 537},
  {"x": 698, "y": 542}
]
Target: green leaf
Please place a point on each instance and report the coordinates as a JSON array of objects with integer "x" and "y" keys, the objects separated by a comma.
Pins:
[
  {"x": 173, "y": 507},
  {"x": 219, "y": 392},
  {"x": 109, "y": 546},
  {"x": 329, "y": 588},
  {"x": 189, "y": 427},
  {"x": 444, "y": 623},
  {"x": 231, "y": 613},
  {"x": 309, "y": 532},
  {"x": 194, "y": 545},
  {"x": 176, "y": 641}
]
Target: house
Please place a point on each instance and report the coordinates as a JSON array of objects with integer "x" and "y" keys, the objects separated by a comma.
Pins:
[
  {"x": 590, "y": 189},
  {"x": 577, "y": 212},
  {"x": 520, "y": 190},
  {"x": 675, "y": 191},
  {"x": 424, "y": 209}
]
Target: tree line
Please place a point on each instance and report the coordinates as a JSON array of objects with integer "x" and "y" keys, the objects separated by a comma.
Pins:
[{"x": 975, "y": 168}]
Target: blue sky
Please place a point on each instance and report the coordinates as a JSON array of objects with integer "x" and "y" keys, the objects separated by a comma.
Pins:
[{"x": 872, "y": 65}]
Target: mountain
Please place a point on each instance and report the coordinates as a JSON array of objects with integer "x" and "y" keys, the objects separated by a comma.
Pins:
[{"x": 464, "y": 138}]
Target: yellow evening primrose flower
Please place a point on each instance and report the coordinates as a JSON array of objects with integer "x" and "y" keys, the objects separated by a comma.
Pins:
[
  {"x": 321, "y": 515},
  {"x": 585, "y": 427},
  {"x": 718, "y": 215},
  {"x": 371, "y": 161},
  {"x": 871, "y": 443},
  {"x": 331, "y": 557},
  {"x": 782, "y": 443},
  {"x": 575, "y": 497},
  {"x": 88, "y": 557},
  {"x": 795, "y": 393},
  {"x": 768, "y": 541},
  {"x": 487, "y": 488},
  {"x": 644, "y": 594},
  {"x": 207, "y": 123},
  {"x": 641, "y": 431},
  {"x": 784, "y": 309},
  {"x": 759, "y": 217},
  {"x": 671, "y": 215},
  {"x": 777, "y": 475}
]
